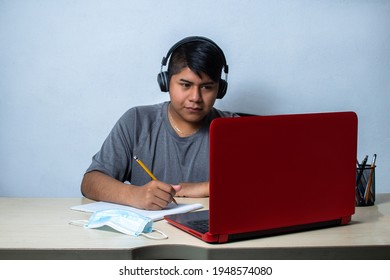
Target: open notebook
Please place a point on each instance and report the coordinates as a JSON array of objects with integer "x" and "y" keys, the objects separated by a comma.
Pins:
[{"x": 154, "y": 215}]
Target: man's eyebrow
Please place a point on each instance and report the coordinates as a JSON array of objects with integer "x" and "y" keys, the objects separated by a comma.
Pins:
[
  {"x": 185, "y": 81},
  {"x": 205, "y": 83}
]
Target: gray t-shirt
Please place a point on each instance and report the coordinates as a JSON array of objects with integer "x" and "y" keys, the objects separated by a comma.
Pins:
[{"x": 145, "y": 132}]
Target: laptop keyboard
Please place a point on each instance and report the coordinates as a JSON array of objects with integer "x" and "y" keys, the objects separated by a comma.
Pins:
[{"x": 200, "y": 225}]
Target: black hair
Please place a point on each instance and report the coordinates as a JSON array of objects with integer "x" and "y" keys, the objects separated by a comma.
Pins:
[{"x": 200, "y": 57}]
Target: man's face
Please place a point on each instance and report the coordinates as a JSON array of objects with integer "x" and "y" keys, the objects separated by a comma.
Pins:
[{"x": 192, "y": 97}]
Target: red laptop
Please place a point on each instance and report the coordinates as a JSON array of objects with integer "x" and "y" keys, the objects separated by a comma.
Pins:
[{"x": 277, "y": 174}]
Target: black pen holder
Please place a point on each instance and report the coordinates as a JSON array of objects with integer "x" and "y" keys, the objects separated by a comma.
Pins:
[{"x": 365, "y": 186}]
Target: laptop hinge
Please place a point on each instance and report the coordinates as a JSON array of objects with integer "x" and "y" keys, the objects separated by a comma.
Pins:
[
  {"x": 223, "y": 238},
  {"x": 215, "y": 238}
]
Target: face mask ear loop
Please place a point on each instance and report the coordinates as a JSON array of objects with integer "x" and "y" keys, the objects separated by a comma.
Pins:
[
  {"x": 164, "y": 236},
  {"x": 80, "y": 223}
]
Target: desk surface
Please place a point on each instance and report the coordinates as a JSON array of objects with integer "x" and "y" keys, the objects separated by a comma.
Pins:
[{"x": 38, "y": 228}]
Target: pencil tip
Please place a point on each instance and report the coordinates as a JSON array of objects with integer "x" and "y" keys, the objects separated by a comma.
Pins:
[{"x": 135, "y": 157}]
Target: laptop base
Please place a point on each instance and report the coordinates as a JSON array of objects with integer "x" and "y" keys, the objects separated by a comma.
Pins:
[{"x": 188, "y": 223}]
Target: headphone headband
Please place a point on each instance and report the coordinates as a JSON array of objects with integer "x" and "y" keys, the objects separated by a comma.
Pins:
[{"x": 195, "y": 39}]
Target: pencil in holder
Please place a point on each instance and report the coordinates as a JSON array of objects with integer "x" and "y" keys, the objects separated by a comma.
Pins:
[{"x": 365, "y": 185}]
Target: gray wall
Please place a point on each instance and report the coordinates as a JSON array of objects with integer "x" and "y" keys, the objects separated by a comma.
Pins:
[{"x": 70, "y": 69}]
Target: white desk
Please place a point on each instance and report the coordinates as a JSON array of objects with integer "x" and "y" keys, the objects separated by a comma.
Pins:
[{"x": 37, "y": 228}]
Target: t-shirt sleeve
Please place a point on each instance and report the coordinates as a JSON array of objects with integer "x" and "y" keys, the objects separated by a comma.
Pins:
[{"x": 114, "y": 157}]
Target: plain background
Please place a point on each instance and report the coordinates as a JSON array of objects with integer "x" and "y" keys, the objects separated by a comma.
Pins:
[{"x": 70, "y": 69}]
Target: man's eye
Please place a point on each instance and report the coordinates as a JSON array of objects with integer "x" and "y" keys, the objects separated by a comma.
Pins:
[
  {"x": 208, "y": 87},
  {"x": 185, "y": 85}
]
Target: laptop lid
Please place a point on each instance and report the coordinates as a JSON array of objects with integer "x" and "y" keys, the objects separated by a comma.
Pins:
[{"x": 280, "y": 173}]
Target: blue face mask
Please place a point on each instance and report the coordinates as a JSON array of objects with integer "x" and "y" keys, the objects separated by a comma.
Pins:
[{"x": 127, "y": 222}]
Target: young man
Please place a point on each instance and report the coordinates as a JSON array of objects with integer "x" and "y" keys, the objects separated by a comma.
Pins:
[{"x": 170, "y": 138}]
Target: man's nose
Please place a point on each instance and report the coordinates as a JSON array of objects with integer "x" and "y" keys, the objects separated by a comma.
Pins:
[{"x": 196, "y": 94}]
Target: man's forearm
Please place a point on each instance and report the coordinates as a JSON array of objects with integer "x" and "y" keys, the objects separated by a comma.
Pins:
[{"x": 101, "y": 187}]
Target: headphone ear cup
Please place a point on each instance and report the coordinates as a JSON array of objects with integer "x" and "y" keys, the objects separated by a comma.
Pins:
[
  {"x": 163, "y": 81},
  {"x": 222, "y": 89}
]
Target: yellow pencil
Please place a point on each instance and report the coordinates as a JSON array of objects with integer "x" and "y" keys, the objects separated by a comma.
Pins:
[{"x": 149, "y": 172}]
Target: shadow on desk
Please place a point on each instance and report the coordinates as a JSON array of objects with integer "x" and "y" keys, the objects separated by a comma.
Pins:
[
  {"x": 216, "y": 253},
  {"x": 188, "y": 252}
]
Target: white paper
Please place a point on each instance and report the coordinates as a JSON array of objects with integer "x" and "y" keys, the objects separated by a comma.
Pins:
[{"x": 155, "y": 215}]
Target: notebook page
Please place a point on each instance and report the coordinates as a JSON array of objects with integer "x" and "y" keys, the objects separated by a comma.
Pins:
[{"x": 155, "y": 215}]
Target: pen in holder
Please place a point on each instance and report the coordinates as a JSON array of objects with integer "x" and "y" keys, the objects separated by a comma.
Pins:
[{"x": 365, "y": 185}]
